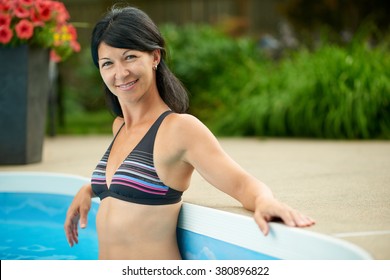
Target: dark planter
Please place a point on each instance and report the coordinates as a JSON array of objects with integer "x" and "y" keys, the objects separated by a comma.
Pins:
[{"x": 24, "y": 87}]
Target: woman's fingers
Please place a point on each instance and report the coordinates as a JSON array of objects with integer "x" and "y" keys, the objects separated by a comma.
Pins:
[
  {"x": 70, "y": 226},
  {"x": 84, "y": 216},
  {"x": 77, "y": 213},
  {"x": 275, "y": 209},
  {"x": 262, "y": 222}
]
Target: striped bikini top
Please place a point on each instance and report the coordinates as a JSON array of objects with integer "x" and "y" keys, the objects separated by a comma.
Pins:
[{"x": 136, "y": 179}]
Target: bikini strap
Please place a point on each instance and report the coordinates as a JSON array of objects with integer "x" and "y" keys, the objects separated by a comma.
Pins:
[{"x": 147, "y": 143}]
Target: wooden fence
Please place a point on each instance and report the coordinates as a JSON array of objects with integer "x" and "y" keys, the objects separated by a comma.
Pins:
[{"x": 238, "y": 17}]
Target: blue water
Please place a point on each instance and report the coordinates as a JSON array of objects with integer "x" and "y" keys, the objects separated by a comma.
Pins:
[{"x": 31, "y": 227}]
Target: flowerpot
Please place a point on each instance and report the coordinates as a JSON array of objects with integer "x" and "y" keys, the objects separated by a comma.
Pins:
[{"x": 24, "y": 87}]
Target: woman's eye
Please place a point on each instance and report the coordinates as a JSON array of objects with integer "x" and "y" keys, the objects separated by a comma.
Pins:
[
  {"x": 129, "y": 57},
  {"x": 105, "y": 64}
]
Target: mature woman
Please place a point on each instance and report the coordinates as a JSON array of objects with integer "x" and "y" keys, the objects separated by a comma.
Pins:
[{"x": 156, "y": 147}]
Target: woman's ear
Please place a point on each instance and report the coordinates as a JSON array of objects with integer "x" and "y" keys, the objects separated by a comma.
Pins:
[{"x": 156, "y": 56}]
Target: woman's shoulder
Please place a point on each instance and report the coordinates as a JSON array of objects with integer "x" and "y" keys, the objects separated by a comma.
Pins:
[
  {"x": 184, "y": 122},
  {"x": 186, "y": 127}
]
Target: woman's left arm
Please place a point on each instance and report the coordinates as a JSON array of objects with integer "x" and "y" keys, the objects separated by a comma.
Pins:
[{"x": 204, "y": 153}]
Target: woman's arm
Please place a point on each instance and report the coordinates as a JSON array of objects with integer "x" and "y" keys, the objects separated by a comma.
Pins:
[
  {"x": 78, "y": 212},
  {"x": 204, "y": 153}
]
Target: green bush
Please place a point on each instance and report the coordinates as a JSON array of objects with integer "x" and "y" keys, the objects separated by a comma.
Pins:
[
  {"x": 211, "y": 65},
  {"x": 84, "y": 109},
  {"x": 332, "y": 92},
  {"x": 84, "y": 86}
]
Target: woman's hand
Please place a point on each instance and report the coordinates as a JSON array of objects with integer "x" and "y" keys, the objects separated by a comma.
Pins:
[
  {"x": 266, "y": 210},
  {"x": 78, "y": 212}
]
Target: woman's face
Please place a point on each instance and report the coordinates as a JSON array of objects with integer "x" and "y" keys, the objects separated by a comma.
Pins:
[{"x": 127, "y": 73}]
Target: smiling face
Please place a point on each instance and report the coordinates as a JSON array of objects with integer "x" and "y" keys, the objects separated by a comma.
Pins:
[{"x": 127, "y": 73}]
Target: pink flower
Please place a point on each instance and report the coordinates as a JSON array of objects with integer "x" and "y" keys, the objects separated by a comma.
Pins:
[
  {"x": 24, "y": 29},
  {"x": 43, "y": 23},
  {"x": 5, "y": 20},
  {"x": 5, "y": 6},
  {"x": 44, "y": 10},
  {"x": 62, "y": 12},
  {"x": 21, "y": 12},
  {"x": 5, "y": 35},
  {"x": 55, "y": 57},
  {"x": 72, "y": 31},
  {"x": 75, "y": 46},
  {"x": 35, "y": 19},
  {"x": 26, "y": 2}
]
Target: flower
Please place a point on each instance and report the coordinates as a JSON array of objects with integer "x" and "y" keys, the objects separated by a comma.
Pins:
[
  {"x": 24, "y": 29},
  {"x": 42, "y": 23}
]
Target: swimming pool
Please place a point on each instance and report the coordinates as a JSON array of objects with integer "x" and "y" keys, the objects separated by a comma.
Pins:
[
  {"x": 33, "y": 228},
  {"x": 32, "y": 212},
  {"x": 33, "y": 206}
]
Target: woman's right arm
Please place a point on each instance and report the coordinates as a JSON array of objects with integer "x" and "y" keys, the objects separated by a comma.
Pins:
[
  {"x": 78, "y": 212},
  {"x": 81, "y": 204}
]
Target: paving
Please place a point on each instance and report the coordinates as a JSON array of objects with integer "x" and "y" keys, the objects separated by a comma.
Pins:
[{"x": 343, "y": 185}]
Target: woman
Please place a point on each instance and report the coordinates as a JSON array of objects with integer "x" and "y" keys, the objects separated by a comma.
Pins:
[{"x": 155, "y": 149}]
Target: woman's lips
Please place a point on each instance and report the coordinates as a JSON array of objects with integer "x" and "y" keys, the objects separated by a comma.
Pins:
[{"x": 127, "y": 86}]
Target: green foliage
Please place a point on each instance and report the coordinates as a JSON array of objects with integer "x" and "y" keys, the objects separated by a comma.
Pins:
[
  {"x": 339, "y": 92},
  {"x": 210, "y": 64},
  {"x": 81, "y": 123},
  {"x": 84, "y": 108},
  {"x": 332, "y": 92},
  {"x": 82, "y": 84}
]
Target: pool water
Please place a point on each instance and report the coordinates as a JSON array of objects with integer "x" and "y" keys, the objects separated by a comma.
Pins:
[{"x": 31, "y": 227}]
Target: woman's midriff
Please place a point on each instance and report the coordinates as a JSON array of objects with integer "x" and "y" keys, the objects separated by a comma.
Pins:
[{"x": 134, "y": 231}]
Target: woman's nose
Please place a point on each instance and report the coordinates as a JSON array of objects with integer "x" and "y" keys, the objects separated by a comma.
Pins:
[{"x": 121, "y": 71}]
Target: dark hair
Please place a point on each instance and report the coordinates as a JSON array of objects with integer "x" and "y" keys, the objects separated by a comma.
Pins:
[{"x": 131, "y": 28}]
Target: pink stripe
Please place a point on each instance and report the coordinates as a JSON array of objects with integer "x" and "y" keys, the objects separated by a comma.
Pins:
[
  {"x": 98, "y": 180},
  {"x": 137, "y": 181},
  {"x": 138, "y": 186}
]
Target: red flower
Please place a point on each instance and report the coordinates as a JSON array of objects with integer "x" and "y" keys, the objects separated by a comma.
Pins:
[
  {"x": 54, "y": 56},
  {"x": 24, "y": 29},
  {"x": 35, "y": 18},
  {"x": 72, "y": 31},
  {"x": 21, "y": 12},
  {"x": 5, "y": 20},
  {"x": 43, "y": 23},
  {"x": 5, "y": 6},
  {"x": 44, "y": 10},
  {"x": 5, "y": 35},
  {"x": 26, "y": 2},
  {"x": 75, "y": 46},
  {"x": 62, "y": 12}
]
